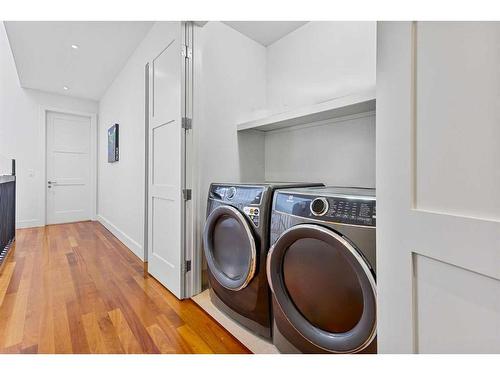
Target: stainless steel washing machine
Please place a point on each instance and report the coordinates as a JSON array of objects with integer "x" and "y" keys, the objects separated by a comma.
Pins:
[
  {"x": 321, "y": 270},
  {"x": 236, "y": 241}
]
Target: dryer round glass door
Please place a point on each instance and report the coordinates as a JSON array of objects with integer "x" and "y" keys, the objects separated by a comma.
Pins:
[
  {"x": 229, "y": 247},
  {"x": 324, "y": 287}
]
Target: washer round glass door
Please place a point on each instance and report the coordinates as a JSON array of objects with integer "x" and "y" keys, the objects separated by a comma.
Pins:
[
  {"x": 324, "y": 287},
  {"x": 229, "y": 248}
]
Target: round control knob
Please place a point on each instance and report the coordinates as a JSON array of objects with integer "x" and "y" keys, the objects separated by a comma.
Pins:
[
  {"x": 319, "y": 206},
  {"x": 231, "y": 193}
]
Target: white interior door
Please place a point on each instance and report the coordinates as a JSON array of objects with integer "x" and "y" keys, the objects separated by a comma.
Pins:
[
  {"x": 438, "y": 184},
  {"x": 69, "y": 197},
  {"x": 166, "y": 165}
]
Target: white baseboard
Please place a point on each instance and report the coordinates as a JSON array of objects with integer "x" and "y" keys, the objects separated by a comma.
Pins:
[
  {"x": 31, "y": 223},
  {"x": 134, "y": 246}
]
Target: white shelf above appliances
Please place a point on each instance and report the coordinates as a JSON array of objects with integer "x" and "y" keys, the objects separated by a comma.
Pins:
[{"x": 335, "y": 108}]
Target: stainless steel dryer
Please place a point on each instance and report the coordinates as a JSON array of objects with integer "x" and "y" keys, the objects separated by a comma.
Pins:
[
  {"x": 236, "y": 241},
  {"x": 321, "y": 270}
]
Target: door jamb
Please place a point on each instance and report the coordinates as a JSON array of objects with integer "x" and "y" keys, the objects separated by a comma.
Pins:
[
  {"x": 192, "y": 278},
  {"x": 43, "y": 110}
]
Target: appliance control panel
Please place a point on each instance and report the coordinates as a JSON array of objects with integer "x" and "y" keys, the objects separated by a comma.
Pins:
[
  {"x": 253, "y": 214},
  {"x": 247, "y": 199},
  {"x": 249, "y": 195},
  {"x": 345, "y": 210}
]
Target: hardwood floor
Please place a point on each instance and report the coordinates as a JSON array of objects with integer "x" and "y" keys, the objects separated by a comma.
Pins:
[{"x": 74, "y": 288}]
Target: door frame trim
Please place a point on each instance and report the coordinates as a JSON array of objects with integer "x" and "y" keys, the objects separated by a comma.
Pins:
[
  {"x": 43, "y": 111},
  {"x": 192, "y": 279}
]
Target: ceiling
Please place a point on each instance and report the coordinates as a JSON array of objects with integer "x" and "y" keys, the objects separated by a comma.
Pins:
[
  {"x": 265, "y": 32},
  {"x": 45, "y": 59}
]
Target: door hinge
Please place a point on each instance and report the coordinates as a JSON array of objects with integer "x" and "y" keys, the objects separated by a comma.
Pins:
[
  {"x": 187, "y": 123},
  {"x": 186, "y": 193},
  {"x": 187, "y": 266},
  {"x": 186, "y": 52}
]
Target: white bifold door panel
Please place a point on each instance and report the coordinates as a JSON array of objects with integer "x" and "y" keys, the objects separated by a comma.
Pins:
[
  {"x": 438, "y": 184},
  {"x": 69, "y": 197},
  {"x": 166, "y": 204}
]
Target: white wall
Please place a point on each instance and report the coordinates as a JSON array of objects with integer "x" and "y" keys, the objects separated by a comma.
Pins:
[
  {"x": 320, "y": 61},
  {"x": 315, "y": 63},
  {"x": 20, "y": 134},
  {"x": 338, "y": 153},
  {"x": 121, "y": 184},
  {"x": 230, "y": 85}
]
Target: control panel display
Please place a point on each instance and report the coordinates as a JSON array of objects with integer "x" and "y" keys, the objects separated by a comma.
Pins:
[
  {"x": 355, "y": 211},
  {"x": 253, "y": 213},
  {"x": 237, "y": 194}
]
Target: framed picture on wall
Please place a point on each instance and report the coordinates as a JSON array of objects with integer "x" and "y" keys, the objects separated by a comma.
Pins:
[{"x": 113, "y": 153}]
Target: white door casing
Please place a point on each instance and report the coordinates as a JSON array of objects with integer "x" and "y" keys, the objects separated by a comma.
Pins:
[
  {"x": 68, "y": 168},
  {"x": 166, "y": 166},
  {"x": 438, "y": 224},
  {"x": 192, "y": 278}
]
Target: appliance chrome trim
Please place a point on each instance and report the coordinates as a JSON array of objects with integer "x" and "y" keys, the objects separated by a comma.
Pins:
[
  {"x": 228, "y": 203},
  {"x": 232, "y": 193},
  {"x": 331, "y": 195},
  {"x": 238, "y": 185},
  {"x": 324, "y": 221},
  {"x": 325, "y": 210},
  {"x": 253, "y": 249},
  {"x": 268, "y": 268},
  {"x": 357, "y": 256}
]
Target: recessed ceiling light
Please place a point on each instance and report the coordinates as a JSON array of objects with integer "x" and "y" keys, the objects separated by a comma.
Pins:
[
  {"x": 66, "y": 87},
  {"x": 74, "y": 46}
]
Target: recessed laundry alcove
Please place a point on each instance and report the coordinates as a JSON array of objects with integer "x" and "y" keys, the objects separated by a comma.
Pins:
[{"x": 332, "y": 142}]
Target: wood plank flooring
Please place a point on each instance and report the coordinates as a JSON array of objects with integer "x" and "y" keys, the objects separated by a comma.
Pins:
[{"x": 74, "y": 288}]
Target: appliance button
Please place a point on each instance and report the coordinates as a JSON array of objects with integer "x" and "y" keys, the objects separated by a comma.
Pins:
[
  {"x": 231, "y": 193},
  {"x": 319, "y": 206}
]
